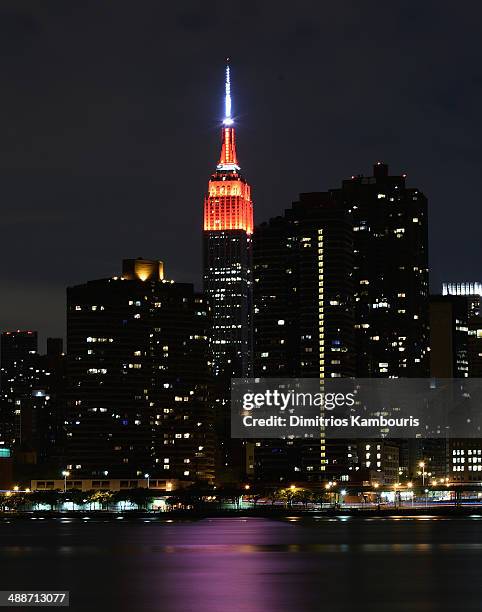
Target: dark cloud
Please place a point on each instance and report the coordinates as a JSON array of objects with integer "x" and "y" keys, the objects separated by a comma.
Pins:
[{"x": 109, "y": 126}]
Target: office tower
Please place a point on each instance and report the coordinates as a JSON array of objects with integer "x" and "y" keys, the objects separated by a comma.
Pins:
[
  {"x": 227, "y": 279},
  {"x": 449, "y": 315},
  {"x": 17, "y": 348},
  {"x": 303, "y": 314},
  {"x": 456, "y": 351},
  {"x": 388, "y": 278},
  {"x": 48, "y": 435},
  {"x": 17, "y": 378},
  {"x": 33, "y": 400},
  {"x": 303, "y": 320},
  {"x": 138, "y": 377},
  {"x": 449, "y": 336},
  {"x": 228, "y": 226},
  {"x": 390, "y": 274},
  {"x": 471, "y": 293},
  {"x": 391, "y": 282}
]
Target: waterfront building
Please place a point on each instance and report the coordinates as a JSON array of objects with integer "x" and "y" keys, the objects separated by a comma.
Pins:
[{"x": 138, "y": 377}]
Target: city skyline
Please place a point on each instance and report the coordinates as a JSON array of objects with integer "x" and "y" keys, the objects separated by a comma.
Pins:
[
  {"x": 71, "y": 189},
  {"x": 241, "y": 305}
]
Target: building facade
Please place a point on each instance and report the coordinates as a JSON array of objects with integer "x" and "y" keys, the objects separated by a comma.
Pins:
[
  {"x": 341, "y": 289},
  {"x": 470, "y": 293},
  {"x": 227, "y": 238},
  {"x": 391, "y": 286},
  {"x": 456, "y": 352},
  {"x": 138, "y": 377},
  {"x": 304, "y": 321},
  {"x": 390, "y": 274},
  {"x": 18, "y": 355}
]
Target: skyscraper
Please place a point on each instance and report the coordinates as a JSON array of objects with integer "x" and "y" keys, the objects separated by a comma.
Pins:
[
  {"x": 341, "y": 289},
  {"x": 449, "y": 335},
  {"x": 18, "y": 364},
  {"x": 138, "y": 373},
  {"x": 228, "y": 226},
  {"x": 456, "y": 351},
  {"x": 471, "y": 294},
  {"x": 303, "y": 321},
  {"x": 390, "y": 274},
  {"x": 32, "y": 399},
  {"x": 303, "y": 291},
  {"x": 391, "y": 290}
]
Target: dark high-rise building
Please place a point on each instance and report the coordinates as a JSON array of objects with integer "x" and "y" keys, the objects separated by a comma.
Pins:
[
  {"x": 390, "y": 274},
  {"x": 303, "y": 291},
  {"x": 17, "y": 379},
  {"x": 17, "y": 348},
  {"x": 456, "y": 351},
  {"x": 138, "y": 377},
  {"x": 33, "y": 399},
  {"x": 449, "y": 320},
  {"x": 304, "y": 320},
  {"x": 49, "y": 408},
  {"x": 228, "y": 226},
  {"x": 449, "y": 327},
  {"x": 471, "y": 294},
  {"x": 391, "y": 282},
  {"x": 371, "y": 289}
]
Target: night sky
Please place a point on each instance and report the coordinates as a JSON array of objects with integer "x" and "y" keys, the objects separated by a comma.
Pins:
[{"x": 110, "y": 126}]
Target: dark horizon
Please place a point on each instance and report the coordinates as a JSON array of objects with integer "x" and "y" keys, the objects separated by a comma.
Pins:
[{"x": 111, "y": 128}]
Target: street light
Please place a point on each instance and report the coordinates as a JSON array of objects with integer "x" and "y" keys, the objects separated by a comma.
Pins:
[
  {"x": 148, "y": 479},
  {"x": 409, "y": 486},
  {"x": 422, "y": 465},
  {"x": 65, "y": 473},
  {"x": 395, "y": 487}
]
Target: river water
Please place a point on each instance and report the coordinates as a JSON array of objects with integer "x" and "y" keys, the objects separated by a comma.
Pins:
[{"x": 295, "y": 564}]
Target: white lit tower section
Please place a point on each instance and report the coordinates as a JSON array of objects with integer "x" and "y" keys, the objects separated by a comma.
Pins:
[{"x": 228, "y": 228}]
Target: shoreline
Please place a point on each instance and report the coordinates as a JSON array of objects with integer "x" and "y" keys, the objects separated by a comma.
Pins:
[{"x": 271, "y": 513}]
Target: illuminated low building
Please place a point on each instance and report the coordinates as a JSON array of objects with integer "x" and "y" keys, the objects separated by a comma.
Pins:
[{"x": 108, "y": 484}]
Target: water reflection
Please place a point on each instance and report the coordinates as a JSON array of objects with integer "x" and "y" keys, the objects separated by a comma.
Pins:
[{"x": 250, "y": 565}]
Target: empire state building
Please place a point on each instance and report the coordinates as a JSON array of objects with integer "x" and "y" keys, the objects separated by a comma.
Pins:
[{"x": 228, "y": 228}]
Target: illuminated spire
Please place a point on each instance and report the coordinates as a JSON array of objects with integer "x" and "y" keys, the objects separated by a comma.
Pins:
[
  {"x": 227, "y": 97},
  {"x": 228, "y": 204},
  {"x": 228, "y": 159}
]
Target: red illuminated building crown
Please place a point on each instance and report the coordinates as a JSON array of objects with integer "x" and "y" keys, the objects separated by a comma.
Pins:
[{"x": 228, "y": 205}]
